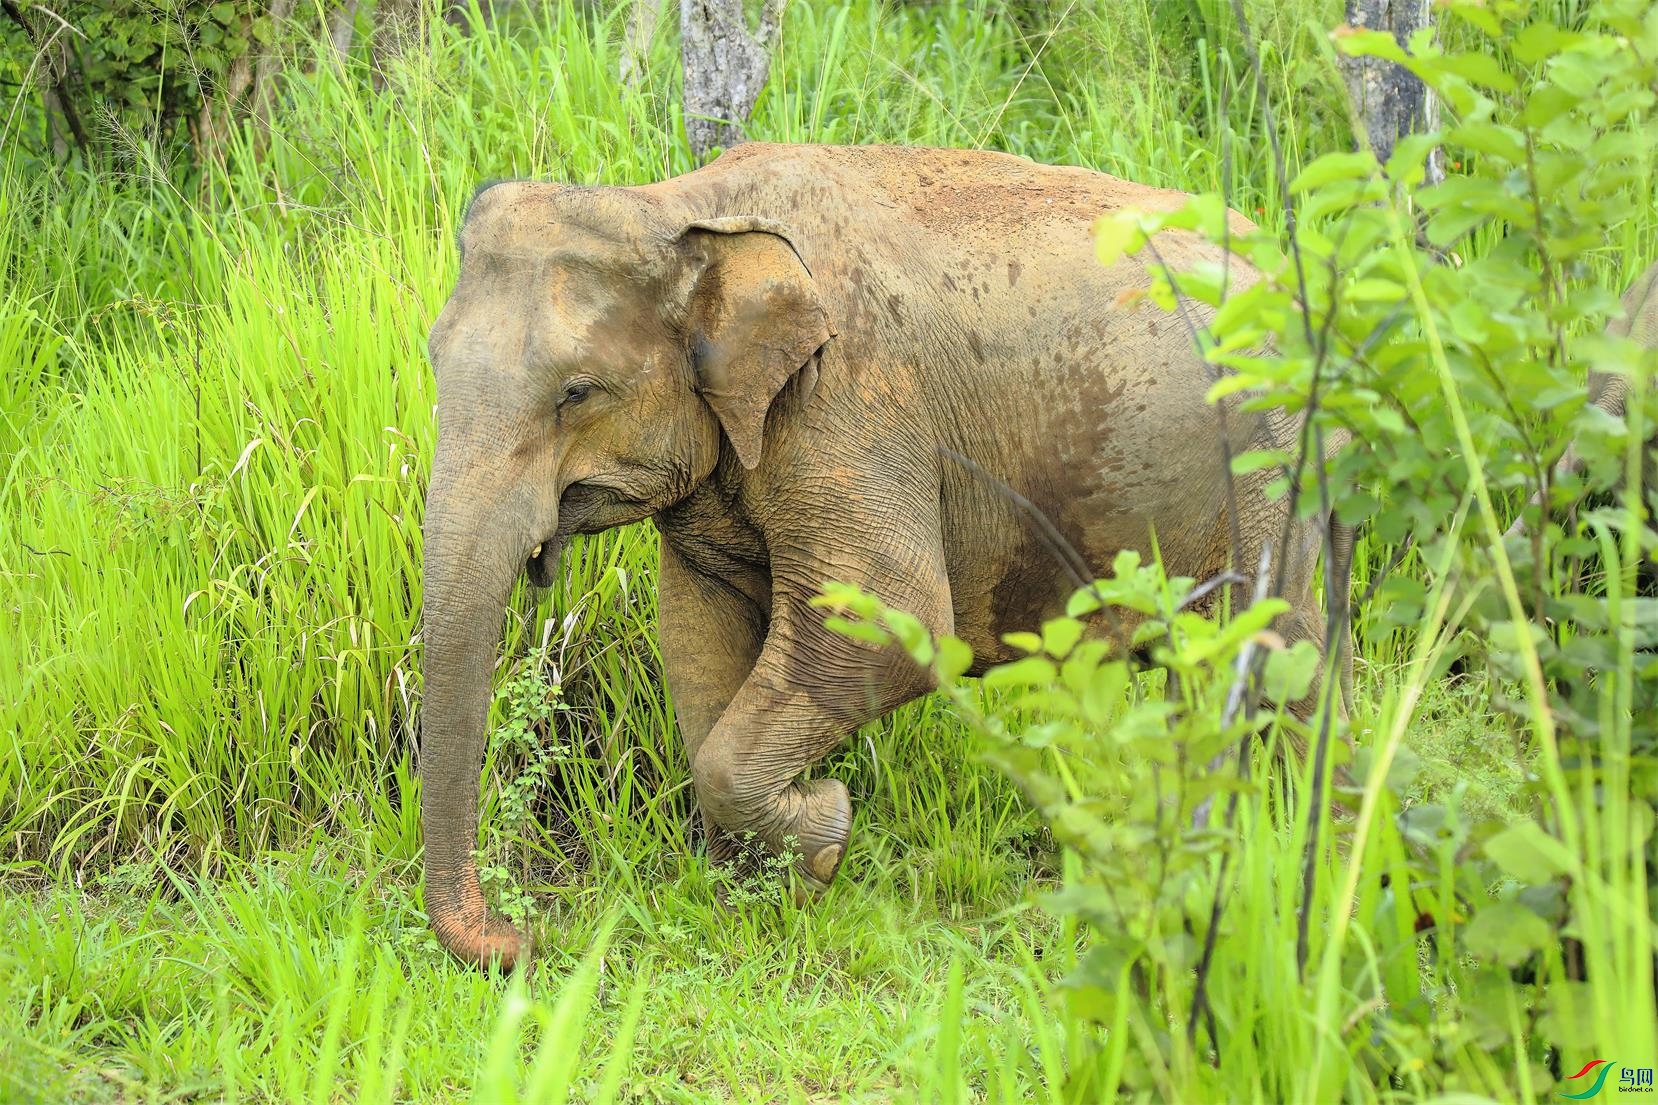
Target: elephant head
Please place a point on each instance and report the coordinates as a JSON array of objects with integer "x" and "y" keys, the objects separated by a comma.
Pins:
[{"x": 596, "y": 350}]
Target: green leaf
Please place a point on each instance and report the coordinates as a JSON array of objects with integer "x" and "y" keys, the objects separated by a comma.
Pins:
[
  {"x": 1118, "y": 235},
  {"x": 1504, "y": 144},
  {"x": 1526, "y": 852},
  {"x": 911, "y": 634},
  {"x": 954, "y": 658},
  {"x": 1032, "y": 671},
  {"x": 1369, "y": 44},
  {"x": 1408, "y": 162},
  {"x": 1429, "y": 826},
  {"x": 1257, "y": 459},
  {"x": 1478, "y": 16},
  {"x": 1568, "y": 1018},
  {"x": 1082, "y": 602},
  {"x": 859, "y": 631},
  {"x": 1024, "y": 642},
  {"x": 1375, "y": 290},
  {"x": 1105, "y": 693},
  {"x": 1333, "y": 167},
  {"x": 1479, "y": 69},
  {"x": 1289, "y": 672},
  {"x": 1506, "y": 933},
  {"x": 1060, "y": 635},
  {"x": 1400, "y": 770},
  {"x": 845, "y": 598}
]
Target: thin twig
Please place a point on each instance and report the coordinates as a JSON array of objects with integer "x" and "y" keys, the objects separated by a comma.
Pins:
[
  {"x": 1236, "y": 699},
  {"x": 1219, "y": 579},
  {"x": 1319, "y": 346},
  {"x": 1335, "y": 613}
]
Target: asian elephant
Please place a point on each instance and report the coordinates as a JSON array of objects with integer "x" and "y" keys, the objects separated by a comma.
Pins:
[{"x": 809, "y": 363}]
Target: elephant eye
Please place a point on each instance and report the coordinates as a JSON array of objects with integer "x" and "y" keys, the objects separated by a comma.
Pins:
[{"x": 575, "y": 392}]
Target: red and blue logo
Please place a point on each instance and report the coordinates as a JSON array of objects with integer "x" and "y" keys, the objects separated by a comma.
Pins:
[{"x": 1632, "y": 1080}]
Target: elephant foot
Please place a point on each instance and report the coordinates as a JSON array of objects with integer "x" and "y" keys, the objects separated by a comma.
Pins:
[{"x": 810, "y": 826}]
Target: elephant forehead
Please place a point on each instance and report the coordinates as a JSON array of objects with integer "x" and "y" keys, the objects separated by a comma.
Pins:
[
  {"x": 542, "y": 312},
  {"x": 518, "y": 222}
]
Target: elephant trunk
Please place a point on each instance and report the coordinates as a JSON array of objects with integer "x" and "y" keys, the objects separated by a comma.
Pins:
[{"x": 473, "y": 554}]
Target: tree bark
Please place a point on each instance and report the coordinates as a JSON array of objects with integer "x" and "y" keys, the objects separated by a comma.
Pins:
[
  {"x": 397, "y": 25},
  {"x": 246, "y": 92},
  {"x": 636, "y": 40},
  {"x": 725, "y": 68},
  {"x": 342, "y": 28},
  {"x": 1391, "y": 101}
]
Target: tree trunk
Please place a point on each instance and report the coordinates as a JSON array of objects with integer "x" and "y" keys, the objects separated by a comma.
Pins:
[
  {"x": 1391, "y": 101},
  {"x": 636, "y": 40},
  {"x": 342, "y": 28},
  {"x": 398, "y": 24},
  {"x": 246, "y": 92},
  {"x": 725, "y": 68}
]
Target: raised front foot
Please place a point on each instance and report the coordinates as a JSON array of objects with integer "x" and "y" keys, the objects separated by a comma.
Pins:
[{"x": 810, "y": 821}]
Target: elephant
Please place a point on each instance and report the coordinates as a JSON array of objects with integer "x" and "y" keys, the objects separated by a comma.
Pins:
[
  {"x": 893, "y": 367},
  {"x": 1610, "y": 392}
]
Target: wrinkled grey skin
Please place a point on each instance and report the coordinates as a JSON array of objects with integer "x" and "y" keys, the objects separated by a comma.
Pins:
[
  {"x": 774, "y": 357},
  {"x": 1610, "y": 392}
]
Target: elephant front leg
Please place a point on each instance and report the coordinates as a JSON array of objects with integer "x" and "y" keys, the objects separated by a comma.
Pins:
[
  {"x": 747, "y": 774},
  {"x": 711, "y": 635},
  {"x": 809, "y": 690}
]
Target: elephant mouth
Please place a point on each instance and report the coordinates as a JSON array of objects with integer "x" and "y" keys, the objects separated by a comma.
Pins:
[
  {"x": 579, "y": 508},
  {"x": 542, "y": 566},
  {"x": 586, "y": 507}
]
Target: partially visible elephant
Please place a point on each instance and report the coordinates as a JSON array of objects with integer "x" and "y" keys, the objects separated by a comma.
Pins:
[
  {"x": 1610, "y": 392},
  {"x": 784, "y": 358}
]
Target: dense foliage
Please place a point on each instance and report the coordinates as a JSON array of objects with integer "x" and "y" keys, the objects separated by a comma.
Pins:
[
  {"x": 128, "y": 68},
  {"x": 1444, "y": 334}
]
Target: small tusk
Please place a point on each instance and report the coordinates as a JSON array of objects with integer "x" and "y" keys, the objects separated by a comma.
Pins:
[{"x": 535, "y": 552}]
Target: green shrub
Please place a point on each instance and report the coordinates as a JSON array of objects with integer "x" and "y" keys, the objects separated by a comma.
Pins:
[{"x": 1418, "y": 945}]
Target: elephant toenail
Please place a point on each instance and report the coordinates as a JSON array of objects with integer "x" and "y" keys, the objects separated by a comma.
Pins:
[{"x": 825, "y": 862}]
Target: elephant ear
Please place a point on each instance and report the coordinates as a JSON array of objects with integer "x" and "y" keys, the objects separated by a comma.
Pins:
[{"x": 755, "y": 320}]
